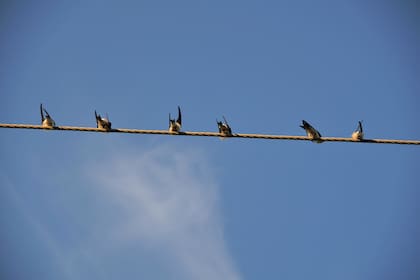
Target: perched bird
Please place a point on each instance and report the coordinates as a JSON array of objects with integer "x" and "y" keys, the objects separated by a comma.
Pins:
[
  {"x": 312, "y": 133},
  {"x": 224, "y": 128},
  {"x": 46, "y": 119},
  {"x": 358, "y": 133},
  {"x": 175, "y": 126},
  {"x": 102, "y": 123}
]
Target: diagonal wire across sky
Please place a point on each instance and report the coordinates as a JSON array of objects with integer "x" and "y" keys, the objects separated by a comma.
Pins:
[{"x": 211, "y": 134}]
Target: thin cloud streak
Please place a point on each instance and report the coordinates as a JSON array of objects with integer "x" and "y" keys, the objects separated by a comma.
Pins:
[
  {"x": 24, "y": 216},
  {"x": 168, "y": 202}
]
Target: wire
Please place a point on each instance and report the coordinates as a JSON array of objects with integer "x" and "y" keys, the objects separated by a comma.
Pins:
[{"x": 211, "y": 134}]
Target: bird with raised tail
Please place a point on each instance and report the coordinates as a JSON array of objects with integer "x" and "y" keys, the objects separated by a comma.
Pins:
[
  {"x": 358, "y": 133},
  {"x": 102, "y": 123},
  {"x": 175, "y": 125},
  {"x": 224, "y": 128},
  {"x": 46, "y": 119},
  {"x": 312, "y": 133}
]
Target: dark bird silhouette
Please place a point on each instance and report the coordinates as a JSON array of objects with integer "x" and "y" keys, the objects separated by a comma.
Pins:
[
  {"x": 224, "y": 128},
  {"x": 102, "y": 123},
  {"x": 358, "y": 133},
  {"x": 312, "y": 133},
  {"x": 46, "y": 119},
  {"x": 175, "y": 125}
]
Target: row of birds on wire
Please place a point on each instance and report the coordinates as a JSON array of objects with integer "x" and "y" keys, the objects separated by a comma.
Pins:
[{"x": 175, "y": 126}]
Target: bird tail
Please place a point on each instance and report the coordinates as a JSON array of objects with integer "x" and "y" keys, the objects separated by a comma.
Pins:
[
  {"x": 42, "y": 113},
  {"x": 225, "y": 120},
  {"x": 179, "y": 120}
]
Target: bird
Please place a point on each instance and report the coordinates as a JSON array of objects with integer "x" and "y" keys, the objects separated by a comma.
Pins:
[
  {"x": 175, "y": 125},
  {"x": 224, "y": 128},
  {"x": 46, "y": 119},
  {"x": 358, "y": 133},
  {"x": 312, "y": 133},
  {"x": 102, "y": 123}
]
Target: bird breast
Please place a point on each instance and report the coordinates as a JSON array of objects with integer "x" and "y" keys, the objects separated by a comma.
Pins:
[
  {"x": 48, "y": 122},
  {"x": 357, "y": 135}
]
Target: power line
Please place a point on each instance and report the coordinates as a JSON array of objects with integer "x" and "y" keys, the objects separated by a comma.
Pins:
[{"x": 211, "y": 134}]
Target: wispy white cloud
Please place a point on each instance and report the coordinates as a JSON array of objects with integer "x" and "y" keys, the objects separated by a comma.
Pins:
[
  {"x": 167, "y": 201},
  {"x": 133, "y": 214}
]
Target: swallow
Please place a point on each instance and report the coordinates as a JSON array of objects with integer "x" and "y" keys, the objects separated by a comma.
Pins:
[
  {"x": 312, "y": 133},
  {"x": 358, "y": 133},
  {"x": 175, "y": 125},
  {"x": 46, "y": 119},
  {"x": 224, "y": 128},
  {"x": 102, "y": 123}
]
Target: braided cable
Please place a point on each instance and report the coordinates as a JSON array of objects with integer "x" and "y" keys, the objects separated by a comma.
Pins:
[{"x": 210, "y": 134}]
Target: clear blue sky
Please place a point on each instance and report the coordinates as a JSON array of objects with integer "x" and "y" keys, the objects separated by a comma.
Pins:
[{"x": 113, "y": 206}]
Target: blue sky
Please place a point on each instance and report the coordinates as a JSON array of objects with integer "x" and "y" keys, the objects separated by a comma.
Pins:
[{"x": 111, "y": 206}]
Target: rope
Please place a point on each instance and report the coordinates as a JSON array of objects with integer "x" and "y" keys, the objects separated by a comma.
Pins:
[{"x": 211, "y": 134}]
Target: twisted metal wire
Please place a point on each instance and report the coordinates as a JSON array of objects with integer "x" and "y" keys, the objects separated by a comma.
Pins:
[{"x": 211, "y": 134}]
